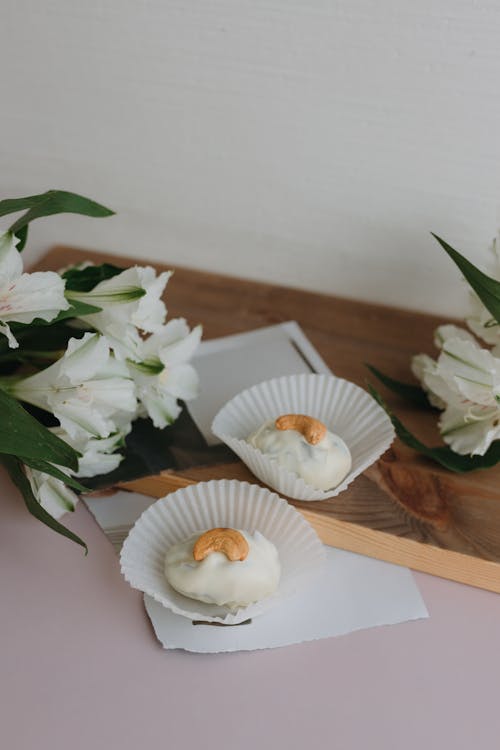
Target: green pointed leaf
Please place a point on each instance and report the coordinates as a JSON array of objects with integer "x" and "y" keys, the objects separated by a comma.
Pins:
[
  {"x": 442, "y": 454},
  {"x": 50, "y": 203},
  {"x": 486, "y": 288},
  {"x": 85, "y": 279},
  {"x": 49, "y": 468},
  {"x": 22, "y": 435},
  {"x": 16, "y": 473},
  {"x": 22, "y": 236},
  {"x": 13, "y": 205},
  {"x": 412, "y": 393},
  {"x": 77, "y": 309},
  {"x": 48, "y": 338}
]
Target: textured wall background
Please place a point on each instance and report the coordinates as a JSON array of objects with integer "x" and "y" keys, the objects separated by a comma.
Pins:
[{"x": 310, "y": 142}]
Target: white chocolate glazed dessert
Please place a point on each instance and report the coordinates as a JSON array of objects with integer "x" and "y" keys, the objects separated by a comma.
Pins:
[
  {"x": 304, "y": 446},
  {"x": 227, "y": 567}
]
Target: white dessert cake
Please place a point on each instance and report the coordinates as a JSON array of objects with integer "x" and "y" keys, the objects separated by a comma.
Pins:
[
  {"x": 228, "y": 567},
  {"x": 304, "y": 446}
]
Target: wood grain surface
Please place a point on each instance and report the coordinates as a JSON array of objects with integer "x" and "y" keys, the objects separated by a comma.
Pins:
[{"x": 405, "y": 509}]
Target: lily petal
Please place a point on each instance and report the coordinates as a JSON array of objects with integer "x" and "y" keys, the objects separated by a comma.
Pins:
[
  {"x": 11, "y": 264},
  {"x": 181, "y": 350},
  {"x": 5, "y": 331},
  {"x": 162, "y": 408},
  {"x": 466, "y": 436},
  {"x": 444, "y": 333},
  {"x": 84, "y": 357},
  {"x": 88, "y": 390},
  {"x": 51, "y": 493},
  {"x": 475, "y": 371},
  {"x": 425, "y": 369},
  {"x": 181, "y": 381},
  {"x": 151, "y": 311},
  {"x": 33, "y": 295}
]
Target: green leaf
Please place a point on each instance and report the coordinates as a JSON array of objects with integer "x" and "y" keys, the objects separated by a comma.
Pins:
[
  {"x": 486, "y": 288},
  {"x": 13, "y": 205},
  {"x": 47, "y": 204},
  {"x": 47, "y": 338},
  {"x": 412, "y": 393},
  {"x": 85, "y": 279},
  {"x": 22, "y": 435},
  {"x": 49, "y": 468},
  {"x": 442, "y": 454},
  {"x": 22, "y": 236},
  {"x": 77, "y": 309},
  {"x": 16, "y": 473}
]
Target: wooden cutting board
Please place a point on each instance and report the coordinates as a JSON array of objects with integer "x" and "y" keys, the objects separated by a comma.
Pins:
[{"x": 404, "y": 509}]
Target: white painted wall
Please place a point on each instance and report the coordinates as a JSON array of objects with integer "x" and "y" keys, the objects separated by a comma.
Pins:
[{"x": 310, "y": 142}]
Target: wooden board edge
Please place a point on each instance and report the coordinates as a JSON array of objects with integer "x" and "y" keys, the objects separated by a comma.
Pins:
[{"x": 454, "y": 566}]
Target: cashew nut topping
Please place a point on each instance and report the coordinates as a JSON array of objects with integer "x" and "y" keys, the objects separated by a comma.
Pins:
[
  {"x": 229, "y": 541},
  {"x": 312, "y": 429}
]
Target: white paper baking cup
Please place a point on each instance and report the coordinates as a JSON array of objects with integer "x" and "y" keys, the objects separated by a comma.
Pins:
[
  {"x": 346, "y": 410},
  {"x": 207, "y": 505}
]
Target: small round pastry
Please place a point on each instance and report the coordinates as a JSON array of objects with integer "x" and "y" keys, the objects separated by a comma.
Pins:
[
  {"x": 221, "y": 566},
  {"x": 303, "y": 445}
]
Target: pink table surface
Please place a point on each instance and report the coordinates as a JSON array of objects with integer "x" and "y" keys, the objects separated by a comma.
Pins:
[{"x": 80, "y": 667}]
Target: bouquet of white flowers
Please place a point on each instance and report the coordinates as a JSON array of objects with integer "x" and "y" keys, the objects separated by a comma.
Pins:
[
  {"x": 86, "y": 351},
  {"x": 463, "y": 383}
]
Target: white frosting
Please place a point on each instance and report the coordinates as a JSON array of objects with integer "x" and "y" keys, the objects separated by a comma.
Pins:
[
  {"x": 323, "y": 466},
  {"x": 217, "y": 580}
]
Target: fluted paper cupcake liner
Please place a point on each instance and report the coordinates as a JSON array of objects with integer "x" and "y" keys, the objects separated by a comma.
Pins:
[
  {"x": 345, "y": 408},
  {"x": 206, "y": 505}
]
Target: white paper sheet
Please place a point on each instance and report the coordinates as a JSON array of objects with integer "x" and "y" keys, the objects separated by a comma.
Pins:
[
  {"x": 230, "y": 364},
  {"x": 356, "y": 592}
]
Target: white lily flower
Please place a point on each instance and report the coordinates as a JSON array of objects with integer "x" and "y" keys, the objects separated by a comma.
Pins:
[
  {"x": 52, "y": 494},
  {"x": 422, "y": 365},
  {"x": 163, "y": 375},
  {"x": 124, "y": 339},
  {"x": 97, "y": 457},
  {"x": 97, "y": 454},
  {"x": 427, "y": 369},
  {"x": 25, "y": 296},
  {"x": 470, "y": 432},
  {"x": 466, "y": 380},
  {"x": 474, "y": 371},
  {"x": 434, "y": 381},
  {"x": 444, "y": 333},
  {"x": 88, "y": 390},
  {"x": 130, "y": 301}
]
